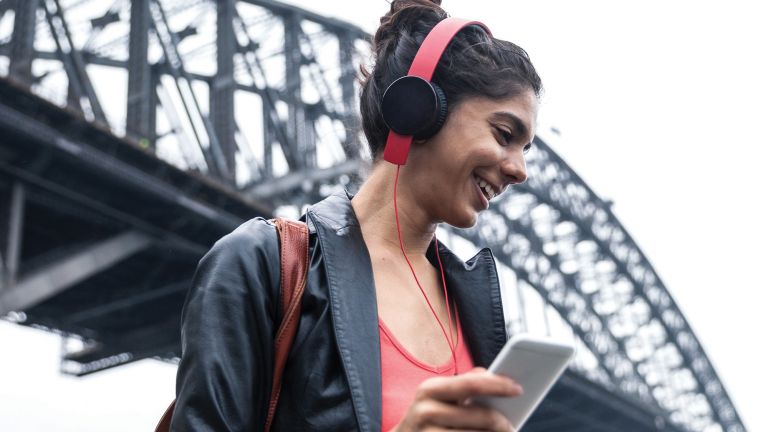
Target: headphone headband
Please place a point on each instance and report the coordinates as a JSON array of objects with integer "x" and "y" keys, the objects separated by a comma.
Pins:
[
  {"x": 423, "y": 66},
  {"x": 430, "y": 51}
]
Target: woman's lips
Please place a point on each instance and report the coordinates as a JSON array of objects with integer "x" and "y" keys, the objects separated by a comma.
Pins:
[{"x": 483, "y": 200}]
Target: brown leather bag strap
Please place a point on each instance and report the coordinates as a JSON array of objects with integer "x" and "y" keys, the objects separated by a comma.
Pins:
[
  {"x": 294, "y": 263},
  {"x": 164, "y": 425}
]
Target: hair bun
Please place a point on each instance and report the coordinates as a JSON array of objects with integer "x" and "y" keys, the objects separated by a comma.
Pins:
[
  {"x": 395, "y": 3},
  {"x": 405, "y": 16}
]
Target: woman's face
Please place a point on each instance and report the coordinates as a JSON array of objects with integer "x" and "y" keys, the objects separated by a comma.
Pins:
[{"x": 474, "y": 157}]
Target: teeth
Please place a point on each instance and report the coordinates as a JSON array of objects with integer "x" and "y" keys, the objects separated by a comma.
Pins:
[
  {"x": 486, "y": 188},
  {"x": 489, "y": 190}
]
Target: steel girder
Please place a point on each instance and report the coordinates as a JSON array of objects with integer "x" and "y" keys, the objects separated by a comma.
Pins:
[
  {"x": 140, "y": 111},
  {"x": 65, "y": 272},
  {"x": 22, "y": 44},
  {"x": 80, "y": 84},
  {"x": 165, "y": 52},
  {"x": 557, "y": 236},
  {"x": 562, "y": 240},
  {"x": 223, "y": 89},
  {"x": 199, "y": 123},
  {"x": 10, "y": 238},
  {"x": 67, "y": 184}
]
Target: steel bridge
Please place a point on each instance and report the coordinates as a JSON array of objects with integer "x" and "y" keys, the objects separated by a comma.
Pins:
[{"x": 133, "y": 134}]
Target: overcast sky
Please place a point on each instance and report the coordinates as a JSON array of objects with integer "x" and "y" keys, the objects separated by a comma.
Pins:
[{"x": 662, "y": 108}]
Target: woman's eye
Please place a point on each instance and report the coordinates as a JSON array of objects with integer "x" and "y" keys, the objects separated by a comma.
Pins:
[
  {"x": 505, "y": 135},
  {"x": 509, "y": 138}
]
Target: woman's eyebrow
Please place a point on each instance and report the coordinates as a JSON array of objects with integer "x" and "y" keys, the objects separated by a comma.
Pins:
[{"x": 518, "y": 126}]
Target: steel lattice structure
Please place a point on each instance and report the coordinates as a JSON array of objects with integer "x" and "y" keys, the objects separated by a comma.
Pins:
[{"x": 179, "y": 69}]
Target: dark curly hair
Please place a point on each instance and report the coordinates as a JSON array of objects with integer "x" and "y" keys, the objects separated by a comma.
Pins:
[{"x": 473, "y": 64}]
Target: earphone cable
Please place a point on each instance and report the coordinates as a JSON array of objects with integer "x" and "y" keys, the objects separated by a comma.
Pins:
[{"x": 445, "y": 289}]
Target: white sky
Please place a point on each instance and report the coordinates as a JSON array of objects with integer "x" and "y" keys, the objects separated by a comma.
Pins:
[{"x": 662, "y": 107}]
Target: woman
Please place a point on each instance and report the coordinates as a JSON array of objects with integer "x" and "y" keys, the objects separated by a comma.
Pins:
[{"x": 392, "y": 323}]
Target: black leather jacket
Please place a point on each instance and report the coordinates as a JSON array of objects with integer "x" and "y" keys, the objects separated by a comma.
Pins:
[{"x": 332, "y": 380}]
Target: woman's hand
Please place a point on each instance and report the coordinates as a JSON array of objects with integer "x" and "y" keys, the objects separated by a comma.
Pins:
[{"x": 441, "y": 403}]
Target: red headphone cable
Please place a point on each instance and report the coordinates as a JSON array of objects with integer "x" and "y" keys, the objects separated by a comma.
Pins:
[{"x": 448, "y": 338}]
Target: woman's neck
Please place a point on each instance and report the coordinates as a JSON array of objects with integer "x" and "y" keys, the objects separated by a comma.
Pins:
[{"x": 373, "y": 206}]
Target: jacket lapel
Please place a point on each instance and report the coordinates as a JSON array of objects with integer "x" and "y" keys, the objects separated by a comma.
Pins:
[
  {"x": 353, "y": 304},
  {"x": 474, "y": 285}
]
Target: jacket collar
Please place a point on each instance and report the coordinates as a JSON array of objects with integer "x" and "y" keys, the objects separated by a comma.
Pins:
[{"x": 473, "y": 285}]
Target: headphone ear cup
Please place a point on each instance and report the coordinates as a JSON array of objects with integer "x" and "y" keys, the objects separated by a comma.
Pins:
[{"x": 441, "y": 113}]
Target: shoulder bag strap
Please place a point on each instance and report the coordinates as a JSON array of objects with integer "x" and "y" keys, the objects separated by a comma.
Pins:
[{"x": 294, "y": 262}]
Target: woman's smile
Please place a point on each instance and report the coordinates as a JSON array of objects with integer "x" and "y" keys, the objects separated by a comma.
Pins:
[{"x": 483, "y": 190}]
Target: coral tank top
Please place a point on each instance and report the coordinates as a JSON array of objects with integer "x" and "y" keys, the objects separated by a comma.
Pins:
[{"x": 401, "y": 374}]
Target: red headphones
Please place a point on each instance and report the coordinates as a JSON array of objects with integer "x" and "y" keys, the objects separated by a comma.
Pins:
[{"x": 413, "y": 106}]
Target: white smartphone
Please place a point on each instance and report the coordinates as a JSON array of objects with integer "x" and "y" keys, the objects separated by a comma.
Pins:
[{"x": 533, "y": 362}]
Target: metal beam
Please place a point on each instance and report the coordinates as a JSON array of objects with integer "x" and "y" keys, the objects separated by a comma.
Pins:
[
  {"x": 154, "y": 83},
  {"x": 296, "y": 114},
  {"x": 23, "y": 41},
  {"x": 100, "y": 161},
  {"x": 611, "y": 237},
  {"x": 58, "y": 276},
  {"x": 592, "y": 338},
  {"x": 89, "y": 204},
  {"x": 328, "y": 102},
  {"x": 222, "y": 92},
  {"x": 163, "y": 69},
  {"x": 269, "y": 97},
  {"x": 15, "y": 224},
  {"x": 268, "y": 138},
  {"x": 12, "y": 219},
  {"x": 294, "y": 180},
  {"x": 169, "y": 42},
  {"x": 3, "y": 273},
  {"x": 4, "y": 6},
  {"x": 130, "y": 302},
  {"x": 331, "y": 23},
  {"x": 72, "y": 59},
  {"x": 140, "y": 91},
  {"x": 349, "y": 96}
]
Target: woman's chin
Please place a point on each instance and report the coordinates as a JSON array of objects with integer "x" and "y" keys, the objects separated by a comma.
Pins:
[{"x": 464, "y": 220}]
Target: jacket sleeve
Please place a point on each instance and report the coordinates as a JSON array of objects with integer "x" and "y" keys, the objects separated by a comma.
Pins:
[{"x": 225, "y": 373}]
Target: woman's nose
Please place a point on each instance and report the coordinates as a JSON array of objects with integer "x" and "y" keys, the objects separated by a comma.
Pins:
[{"x": 513, "y": 168}]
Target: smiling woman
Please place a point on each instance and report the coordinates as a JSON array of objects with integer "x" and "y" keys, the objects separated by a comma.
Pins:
[
  {"x": 394, "y": 330},
  {"x": 476, "y": 155}
]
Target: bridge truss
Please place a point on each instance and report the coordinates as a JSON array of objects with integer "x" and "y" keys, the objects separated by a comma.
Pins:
[{"x": 168, "y": 122}]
